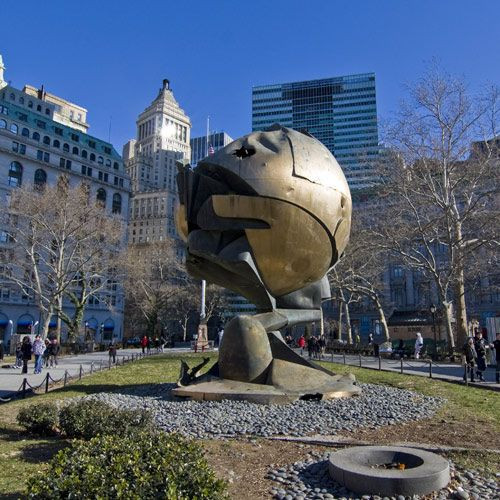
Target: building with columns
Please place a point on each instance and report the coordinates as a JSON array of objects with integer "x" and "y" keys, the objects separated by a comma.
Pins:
[
  {"x": 43, "y": 137},
  {"x": 163, "y": 135}
]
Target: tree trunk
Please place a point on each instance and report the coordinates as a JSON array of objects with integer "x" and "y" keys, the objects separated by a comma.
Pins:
[
  {"x": 447, "y": 323},
  {"x": 348, "y": 323},
  {"x": 58, "y": 329},
  {"x": 339, "y": 331},
  {"x": 461, "y": 313},
  {"x": 45, "y": 323},
  {"x": 381, "y": 316}
]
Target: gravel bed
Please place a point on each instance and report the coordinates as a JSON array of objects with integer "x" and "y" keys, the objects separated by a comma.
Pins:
[
  {"x": 377, "y": 406},
  {"x": 309, "y": 479}
]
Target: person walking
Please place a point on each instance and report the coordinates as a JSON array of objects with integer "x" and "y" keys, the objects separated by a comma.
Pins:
[
  {"x": 112, "y": 353},
  {"x": 220, "y": 337},
  {"x": 301, "y": 343},
  {"x": 419, "y": 343},
  {"x": 480, "y": 347},
  {"x": 1, "y": 350},
  {"x": 144, "y": 344},
  {"x": 38, "y": 350},
  {"x": 54, "y": 351},
  {"x": 311, "y": 346},
  {"x": 46, "y": 354},
  {"x": 469, "y": 359},
  {"x": 26, "y": 350},
  {"x": 496, "y": 345},
  {"x": 321, "y": 346},
  {"x": 19, "y": 356}
]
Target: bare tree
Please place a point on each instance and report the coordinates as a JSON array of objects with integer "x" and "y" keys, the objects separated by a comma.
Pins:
[
  {"x": 441, "y": 190},
  {"x": 154, "y": 275},
  {"x": 60, "y": 240}
]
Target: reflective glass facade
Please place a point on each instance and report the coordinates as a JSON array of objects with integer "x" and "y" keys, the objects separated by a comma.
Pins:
[{"x": 341, "y": 112}]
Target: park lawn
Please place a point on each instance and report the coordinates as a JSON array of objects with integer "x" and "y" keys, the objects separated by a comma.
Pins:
[{"x": 468, "y": 414}]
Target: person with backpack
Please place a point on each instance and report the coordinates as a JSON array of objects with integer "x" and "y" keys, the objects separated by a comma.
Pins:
[
  {"x": 26, "y": 350},
  {"x": 480, "y": 347},
  {"x": 469, "y": 358}
]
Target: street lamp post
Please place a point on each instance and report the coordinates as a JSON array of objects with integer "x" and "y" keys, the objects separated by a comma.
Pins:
[
  {"x": 86, "y": 331},
  {"x": 102, "y": 333},
  {"x": 432, "y": 309}
]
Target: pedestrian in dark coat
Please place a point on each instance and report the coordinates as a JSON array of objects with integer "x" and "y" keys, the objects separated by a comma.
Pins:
[
  {"x": 112, "y": 352},
  {"x": 496, "y": 345},
  {"x": 480, "y": 347},
  {"x": 470, "y": 357},
  {"x": 26, "y": 350}
]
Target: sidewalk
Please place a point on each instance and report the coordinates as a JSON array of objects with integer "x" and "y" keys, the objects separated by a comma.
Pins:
[
  {"x": 451, "y": 372},
  {"x": 11, "y": 379}
]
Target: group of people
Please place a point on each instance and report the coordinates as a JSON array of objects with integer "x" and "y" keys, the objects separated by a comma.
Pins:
[
  {"x": 315, "y": 345},
  {"x": 148, "y": 343},
  {"x": 474, "y": 357},
  {"x": 45, "y": 353}
]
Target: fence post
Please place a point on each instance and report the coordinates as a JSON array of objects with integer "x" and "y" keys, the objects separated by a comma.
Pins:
[
  {"x": 100, "y": 369},
  {"x": 430, "y": 369},
  {"x": 380, "y": 363},
  {"x": 360, "y": 360},
  {"x": 25, "y": 381},
  {"x": 109, "y": 363},
  {"x": 65, "y": 377},
  {"x": 47, "y": 383},
  {"x": 343, "y": 355},
  {"x": 467, "y": 368},
  {"x": 401, "y": 366},
  {"x": 332, "y": 355},
  {"x": 92, "y": 367},
  {"x": 80, "y": 374}
]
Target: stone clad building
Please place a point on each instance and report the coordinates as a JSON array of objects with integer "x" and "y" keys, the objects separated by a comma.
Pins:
[
  {"x": 163, "y": 136},
  {"x": 43, "y": 136}
]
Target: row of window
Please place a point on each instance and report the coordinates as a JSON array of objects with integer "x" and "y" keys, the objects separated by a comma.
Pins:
[
  {"x": 57, "y": 144},
  {"x": 12, "y": 97},
  {"x": 40, "y": 178}
]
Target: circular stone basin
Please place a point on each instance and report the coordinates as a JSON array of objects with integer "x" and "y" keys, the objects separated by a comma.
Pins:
[{"x": 389, "y": 470}]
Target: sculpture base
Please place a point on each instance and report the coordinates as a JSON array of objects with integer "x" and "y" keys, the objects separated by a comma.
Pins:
[{"x": 217, "y": 389}]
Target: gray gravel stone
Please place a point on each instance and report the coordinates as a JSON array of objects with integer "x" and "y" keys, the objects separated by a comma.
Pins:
[{"x": 378, "y": 405}]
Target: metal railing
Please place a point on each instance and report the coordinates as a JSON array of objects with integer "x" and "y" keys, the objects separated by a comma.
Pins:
[{"x": 48, "y": 381}]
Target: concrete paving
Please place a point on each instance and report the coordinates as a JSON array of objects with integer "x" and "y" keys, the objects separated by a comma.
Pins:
[
  {"x": 451, "y": 372},
  {"x": 11, "y": 379}
]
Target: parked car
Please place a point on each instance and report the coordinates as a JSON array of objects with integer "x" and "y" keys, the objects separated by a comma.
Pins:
[{"x": 133, "y": 341}]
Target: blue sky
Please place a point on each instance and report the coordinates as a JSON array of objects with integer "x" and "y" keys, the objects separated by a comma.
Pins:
[{"x": 110, "y": 56}]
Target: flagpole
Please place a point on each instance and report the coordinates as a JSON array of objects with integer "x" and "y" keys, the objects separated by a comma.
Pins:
[{"x": 203, "y": 282}]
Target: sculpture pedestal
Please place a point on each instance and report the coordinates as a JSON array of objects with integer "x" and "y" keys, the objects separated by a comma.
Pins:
[{"x": 255, "y": 365}]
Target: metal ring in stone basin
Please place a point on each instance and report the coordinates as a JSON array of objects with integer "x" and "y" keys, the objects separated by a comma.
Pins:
[{"x": 362, "y": 470}]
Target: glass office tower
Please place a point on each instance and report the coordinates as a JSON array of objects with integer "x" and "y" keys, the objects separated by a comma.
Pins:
[{"x": 341, "y": 112}]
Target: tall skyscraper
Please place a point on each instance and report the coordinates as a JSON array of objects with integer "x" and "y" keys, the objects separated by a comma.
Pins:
[
  {"x": 163, "y": 133},
  {"x": 200, "y": 148},
  {"x": 341, "y": 112},
  {"x": 42, "y": 138}
]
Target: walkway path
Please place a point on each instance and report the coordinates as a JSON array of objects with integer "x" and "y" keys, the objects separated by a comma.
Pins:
[
  {"x": 452, "y": 372},
  {"x": 11, "y": 379}
]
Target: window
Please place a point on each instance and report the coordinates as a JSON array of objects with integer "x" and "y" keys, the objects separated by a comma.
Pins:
[
  {"x": 101, "y": 196},
  {"x": 23, "y": 117},
  {"x": 46, "y": 140},
  {"x": 66, "y": 147},
  {"x": 75, "y": 137},
  {"x": 117, "y": 204},
  {"x": 115, "y": 165},
  {"x": 75, "y": 150},
  {"x": 25, "y": 132},
  {"x": 35, "y": 136},
  {"x": 63, "y": 163},
  {"x": 12, "y": 96},
  {"x": 15, "y": 174},
  {"x": 84, "y": 153},
  {"x": 92, "y": 157},
  {"x": 58, "y": 131},
  {"x": 100, "y": 160},
  {"x": 3, "y": 123},
  {"x": 39, "y": 155},
  {"x": 107, "y": 150},
  {"x": 106, "y": 177},
  {"x": 47, "y": 111},
  {"x": 108, "y": 163},
  {"x": 15, "y": 146},
  {"x": 14, "y": 128},
  {"x": 39, "y": 108},
  {"x": 46, "y": 157},
  {"x": 4, "y": 110},
  {"x": 92, "y": 144},
  {"x": 40, "y": 178},
  {"x": 56, "y": 144},
  {"x": 30, "y": 104},
  {"x": 87, "y": 171},
  {"x": 40, "y": 124}
]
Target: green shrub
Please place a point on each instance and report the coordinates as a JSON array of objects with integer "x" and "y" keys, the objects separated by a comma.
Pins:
[
  {"x": 87, "y": 418},
  {"x": 144, "y": 465},
  {"x": 39, "y": 418}
]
